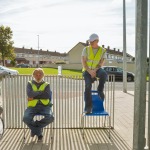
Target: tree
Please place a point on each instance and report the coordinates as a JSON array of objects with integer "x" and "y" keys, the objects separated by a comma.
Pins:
[{"x": 6, "y": 44}]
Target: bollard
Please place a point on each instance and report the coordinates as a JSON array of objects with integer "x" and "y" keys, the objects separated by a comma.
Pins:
[{"x": 59, "y": 70}]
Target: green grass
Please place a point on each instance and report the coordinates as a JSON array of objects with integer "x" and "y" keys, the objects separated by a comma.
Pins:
[{"x": 48, "y": 71}]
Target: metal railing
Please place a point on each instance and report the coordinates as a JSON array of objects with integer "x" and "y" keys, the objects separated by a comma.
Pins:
[{"x": 67, "y": 97}]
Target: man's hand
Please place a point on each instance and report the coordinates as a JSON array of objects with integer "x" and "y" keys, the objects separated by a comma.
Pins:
[
  {"x": 92, "y": 73},
  {"x": 30, "y": 98}
]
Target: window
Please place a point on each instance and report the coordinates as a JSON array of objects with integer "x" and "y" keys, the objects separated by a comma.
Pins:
[
  {"x": 109, "y": 69},
  {"x": 119, "y": 70},
  {"x": 115, "y": 69}
]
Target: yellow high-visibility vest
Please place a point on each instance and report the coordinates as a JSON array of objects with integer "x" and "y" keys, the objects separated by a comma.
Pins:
[
  {"x": 93, "y": 60},
  {"x": 33, "y": 102}
]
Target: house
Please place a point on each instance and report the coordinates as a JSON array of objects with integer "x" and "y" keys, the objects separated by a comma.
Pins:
[
  {"x": 32, "y": 57},
  {"x": 74, "y": 55},
  {"x": 70, "y": 60},
  {"x": 113, "y": 57}
]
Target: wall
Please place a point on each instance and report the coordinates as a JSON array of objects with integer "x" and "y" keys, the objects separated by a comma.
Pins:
[
  {"x": 130, "y": 66},
  {"x": 67, "y": 66},
  {"x": 75, "y": 54}
]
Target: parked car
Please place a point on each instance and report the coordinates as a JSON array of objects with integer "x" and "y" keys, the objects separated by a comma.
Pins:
[
  {"x": 23, "y": 66},
  {"x": 6, "y": 71},
  {"x": 118, "y": 72}
]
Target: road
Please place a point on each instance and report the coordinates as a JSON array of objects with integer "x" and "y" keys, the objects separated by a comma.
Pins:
[
  {"x": 130, "y": 86},
  {"x": 119, "y": 86}
]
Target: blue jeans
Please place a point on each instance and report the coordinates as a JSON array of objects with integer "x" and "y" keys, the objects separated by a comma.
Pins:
[
  {"x": 102, "y": 75},
  {"x": 37, "y": 126}
]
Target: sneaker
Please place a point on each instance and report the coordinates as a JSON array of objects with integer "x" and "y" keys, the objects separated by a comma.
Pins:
[{"x": 40, "y": 137}]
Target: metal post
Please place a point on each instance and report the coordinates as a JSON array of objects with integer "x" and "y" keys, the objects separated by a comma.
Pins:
[
  {"x": 38, "y": 51},
  {"x": 149, "y": 87},
  {"x": 140, "y": 78},
  {"x": 124, "y": 49}
]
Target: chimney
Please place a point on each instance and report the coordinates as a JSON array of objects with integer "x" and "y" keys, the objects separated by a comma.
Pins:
[
  {"x": 114, "y": 49},
  {"x": 87, "y": 43},
  {"x": 108, "y": 47},
  {"x": 118, "y": 50}
]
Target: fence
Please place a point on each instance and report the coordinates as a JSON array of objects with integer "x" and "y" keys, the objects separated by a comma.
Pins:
[{"x": 67, "y": 96}]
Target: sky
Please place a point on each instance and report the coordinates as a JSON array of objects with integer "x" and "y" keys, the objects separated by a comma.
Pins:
[{"x": 61, "y": 24}]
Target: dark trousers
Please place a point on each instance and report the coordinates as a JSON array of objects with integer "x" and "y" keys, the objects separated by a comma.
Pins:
[
  {"x": 37, "y": 126},
  {"x": 102, "y": 75}
]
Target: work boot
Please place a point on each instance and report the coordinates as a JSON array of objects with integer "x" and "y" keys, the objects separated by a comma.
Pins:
[
  {"x": 32, "y": 134},
  {"x": 88, "y": 111},
  {"x": 40, "y": 137}
]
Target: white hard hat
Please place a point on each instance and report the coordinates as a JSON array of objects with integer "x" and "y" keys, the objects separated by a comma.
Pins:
[{"x": 93, "y": 37}]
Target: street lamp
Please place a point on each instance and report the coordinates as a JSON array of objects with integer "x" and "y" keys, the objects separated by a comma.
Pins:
[
  {"x": 124, "y": 49},
  {"x": 38, "y": 51}
]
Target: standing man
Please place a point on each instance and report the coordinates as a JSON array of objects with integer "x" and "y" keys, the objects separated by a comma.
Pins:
[
  {"x": 92, "y": 61},
  {"x": 38, "y": 92}
]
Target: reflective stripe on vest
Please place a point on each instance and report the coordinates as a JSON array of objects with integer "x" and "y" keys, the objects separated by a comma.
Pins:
[
  {"x": 33, "y": 102},
  {"x": 93, "y": 60}
]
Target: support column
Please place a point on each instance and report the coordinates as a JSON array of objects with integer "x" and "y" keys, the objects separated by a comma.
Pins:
[
  {"x": 149, "y": 86},
  {"x": 140, "y": 75}
]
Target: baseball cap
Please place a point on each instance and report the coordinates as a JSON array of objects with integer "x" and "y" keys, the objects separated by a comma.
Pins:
[{"x": 93, "y": 37}]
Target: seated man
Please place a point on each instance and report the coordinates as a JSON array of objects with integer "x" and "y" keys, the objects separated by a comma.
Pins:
[
  {"x": 38, "y": 92},
  {"x": 92, "y": 60}
]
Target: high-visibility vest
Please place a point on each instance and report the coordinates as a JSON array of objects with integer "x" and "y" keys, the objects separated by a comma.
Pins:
[
  {"x": 33, "y": 102},
  {"x": 93, "y": 60}
]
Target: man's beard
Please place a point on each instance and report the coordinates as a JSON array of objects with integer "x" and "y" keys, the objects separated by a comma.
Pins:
[{"x": 38, "y": 81}]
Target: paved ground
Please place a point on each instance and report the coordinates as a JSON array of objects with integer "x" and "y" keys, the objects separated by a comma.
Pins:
[{"x": 124, "y": 104}]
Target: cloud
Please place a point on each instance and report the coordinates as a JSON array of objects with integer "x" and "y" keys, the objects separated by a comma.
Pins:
[{"x": 63, "y": 23}]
